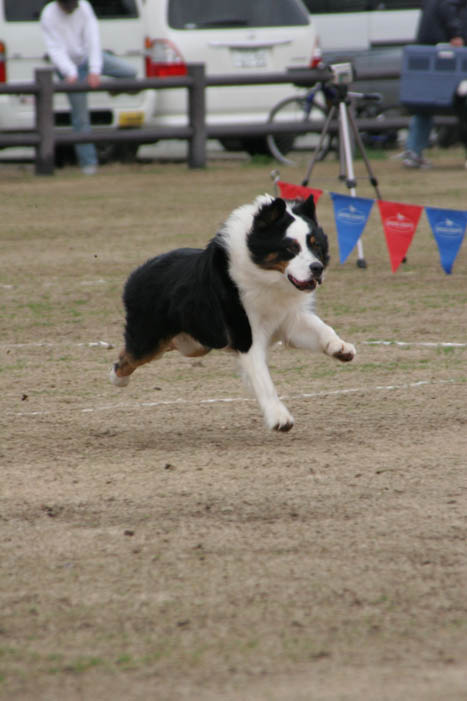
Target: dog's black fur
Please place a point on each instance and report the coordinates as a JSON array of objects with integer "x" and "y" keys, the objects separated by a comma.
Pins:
[{"x": 188, "y": 290}]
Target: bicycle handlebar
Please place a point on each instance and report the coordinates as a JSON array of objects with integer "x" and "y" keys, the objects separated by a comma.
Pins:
[{"x": 370, "y": 96}]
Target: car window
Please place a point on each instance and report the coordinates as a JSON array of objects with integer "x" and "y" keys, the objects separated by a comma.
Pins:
[
  {"x": 23, "y": 11},
  {"x": 331, "y": 6},
  {"x": 399, "y": 5},
  {"x": 114, "y": 9},
  {"x": 324, "y": 6},
  {"x": 29, "y": 10},
  {"x": 215, "y": 14}
]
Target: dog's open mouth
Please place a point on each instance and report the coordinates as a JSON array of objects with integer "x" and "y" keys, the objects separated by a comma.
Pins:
[{"x": 304, "y": 285}]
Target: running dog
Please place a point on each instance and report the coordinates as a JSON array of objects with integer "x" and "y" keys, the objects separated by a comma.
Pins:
[{"x": 251, "y": 286}]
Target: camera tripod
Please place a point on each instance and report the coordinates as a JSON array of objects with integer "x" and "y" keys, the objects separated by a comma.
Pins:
[{"x": 340, "y": 109}]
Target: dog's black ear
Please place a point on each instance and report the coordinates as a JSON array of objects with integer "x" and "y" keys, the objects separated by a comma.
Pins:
[
  {"x": 270, "y": 213},
  {"x": 307, "y": 208}
]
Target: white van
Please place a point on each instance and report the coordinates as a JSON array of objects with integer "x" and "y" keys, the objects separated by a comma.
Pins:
[
  {"x": 228, "y": 36},
  {"x": 22, "y": 50},
  {"x": 364, "y": 24},
  {"x": 371, "y": 33}
]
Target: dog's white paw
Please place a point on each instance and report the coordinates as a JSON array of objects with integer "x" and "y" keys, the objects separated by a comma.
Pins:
[
  {"x": 278, "y": 418},
  {"x": 116, "y": 380},
  {"x": 341, "y": 350}
]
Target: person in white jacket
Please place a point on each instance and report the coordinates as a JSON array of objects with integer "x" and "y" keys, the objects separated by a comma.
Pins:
[{"x": 71, "y": 35}]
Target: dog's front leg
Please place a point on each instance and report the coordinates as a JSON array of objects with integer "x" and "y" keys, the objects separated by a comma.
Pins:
[
  {"x": 254, "y": 366},
  {"x": 306, "y": 330}
]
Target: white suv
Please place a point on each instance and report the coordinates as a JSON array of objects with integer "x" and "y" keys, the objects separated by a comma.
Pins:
[{"x": 228, "y": 36}]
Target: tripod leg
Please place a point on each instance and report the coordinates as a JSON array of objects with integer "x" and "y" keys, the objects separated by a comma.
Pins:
[
  {"x": 343, "y": 176},
  {"x": 350, "y": 182},
  {"x": 361, "y": 148},
  {"x": 324, "y": 132}
]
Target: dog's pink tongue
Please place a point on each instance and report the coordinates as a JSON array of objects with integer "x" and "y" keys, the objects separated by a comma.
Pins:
[{"x": 303, "y": 285}]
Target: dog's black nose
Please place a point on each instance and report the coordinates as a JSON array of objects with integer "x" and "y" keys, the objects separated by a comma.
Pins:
[{"x": 317, "y": 270}]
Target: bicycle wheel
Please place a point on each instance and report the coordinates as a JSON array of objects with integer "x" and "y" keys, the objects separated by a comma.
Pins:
[{"x": 295, "y": 109}]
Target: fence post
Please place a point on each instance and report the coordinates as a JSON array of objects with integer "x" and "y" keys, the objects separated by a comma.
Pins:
[
  {"x": 45, "y": 150},
  {"x": 197, "y": 116}
]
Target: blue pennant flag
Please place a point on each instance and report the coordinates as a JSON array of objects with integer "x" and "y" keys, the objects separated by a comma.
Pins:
[
  {"x": 351, "y": 215},
  {"x": 448, "y": 227}
]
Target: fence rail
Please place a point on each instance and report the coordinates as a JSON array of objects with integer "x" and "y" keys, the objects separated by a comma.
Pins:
[{"x": 45, "y": 136}]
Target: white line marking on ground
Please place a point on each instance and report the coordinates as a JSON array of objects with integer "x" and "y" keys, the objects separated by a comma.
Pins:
[
  {"x": 106, "y": 344},
  {"x": 227, "y": 400},
  {"x": 428, "y": 344},
  {"x": 46, "y": 344},
  {"x": 93, "y": 282}
]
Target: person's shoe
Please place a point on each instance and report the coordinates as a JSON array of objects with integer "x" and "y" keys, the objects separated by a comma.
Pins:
[
  {"x": 89, "y": 170},
  {"x": 412, "y": 160},
  {"x": 399, "y": 156},
  {"x": 424, "y": 163}
]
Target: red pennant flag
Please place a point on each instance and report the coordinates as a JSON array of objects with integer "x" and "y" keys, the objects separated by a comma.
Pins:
[
  {"x": 399, "y": 223},
  {"x": 298, "y": 192}
]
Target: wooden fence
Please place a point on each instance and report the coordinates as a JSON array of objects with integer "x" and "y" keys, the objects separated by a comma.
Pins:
[{"x": 46, "y": 136}]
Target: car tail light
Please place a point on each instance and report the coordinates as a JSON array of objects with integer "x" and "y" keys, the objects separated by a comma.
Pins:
[
  {"x": 2, "y": 62},
  {"x": 316, "y": 56},
  {"x": 163, "y": 59}
]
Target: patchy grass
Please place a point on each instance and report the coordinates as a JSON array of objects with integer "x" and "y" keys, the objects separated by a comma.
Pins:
[{"x": 157, "y": 542}]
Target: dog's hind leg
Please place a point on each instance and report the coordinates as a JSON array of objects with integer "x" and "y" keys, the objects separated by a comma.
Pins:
[
  {"x": 188, "y": 346},
  {"x": 127, "y": 364},
  {"x": 122, "y": 369}
]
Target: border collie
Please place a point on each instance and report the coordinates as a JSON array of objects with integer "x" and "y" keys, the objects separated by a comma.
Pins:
[{"x": 249, "y": 288}]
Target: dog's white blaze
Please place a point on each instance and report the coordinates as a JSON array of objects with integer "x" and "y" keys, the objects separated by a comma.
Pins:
[{"x": 299, "y": 266}]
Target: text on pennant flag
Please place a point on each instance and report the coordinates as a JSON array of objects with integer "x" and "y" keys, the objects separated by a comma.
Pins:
[
  {"x": 448, "y": 227},
  {"x": 400, "y": 222},
  {"x": 351, "y": 216},
  {"x": 298, "y": 192}
]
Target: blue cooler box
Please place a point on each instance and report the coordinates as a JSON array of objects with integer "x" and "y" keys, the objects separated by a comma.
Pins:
[{"x": 430, "y": 76}]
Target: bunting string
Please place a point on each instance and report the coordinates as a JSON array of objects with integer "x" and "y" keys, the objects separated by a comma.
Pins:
[{"x": 399, "y": 221}]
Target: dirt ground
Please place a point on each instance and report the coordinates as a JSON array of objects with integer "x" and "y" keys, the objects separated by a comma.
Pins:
[{"x": 157, "y": 542}]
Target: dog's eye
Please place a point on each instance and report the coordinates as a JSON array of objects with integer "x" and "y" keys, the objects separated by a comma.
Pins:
[{"x": 293, "y": 248}]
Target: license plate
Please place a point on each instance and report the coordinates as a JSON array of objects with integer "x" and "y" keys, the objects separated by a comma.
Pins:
[
  {"x": 131, "y": 119},
  {"x": 249, "y": 58}
]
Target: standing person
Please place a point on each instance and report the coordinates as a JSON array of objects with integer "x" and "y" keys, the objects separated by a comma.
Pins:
[
  {"x": 71, "y": 35},
  {"x": 440, "y": 22}
]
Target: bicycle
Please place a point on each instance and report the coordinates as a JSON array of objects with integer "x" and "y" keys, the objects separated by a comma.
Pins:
[{"x": 314, "y": 107}]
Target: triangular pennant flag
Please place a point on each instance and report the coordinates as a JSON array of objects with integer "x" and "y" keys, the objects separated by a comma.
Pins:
[
  {"x": 448, "y": 227},
  {"x": 298, "y": 192},
  {"x": 351, "y": 215},
  {"x": 399, "y": 223}
]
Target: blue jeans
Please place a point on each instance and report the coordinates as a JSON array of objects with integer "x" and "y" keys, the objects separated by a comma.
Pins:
[
  {"x": 114, "y": 67},
  {"x": 419, "y": 132}
]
